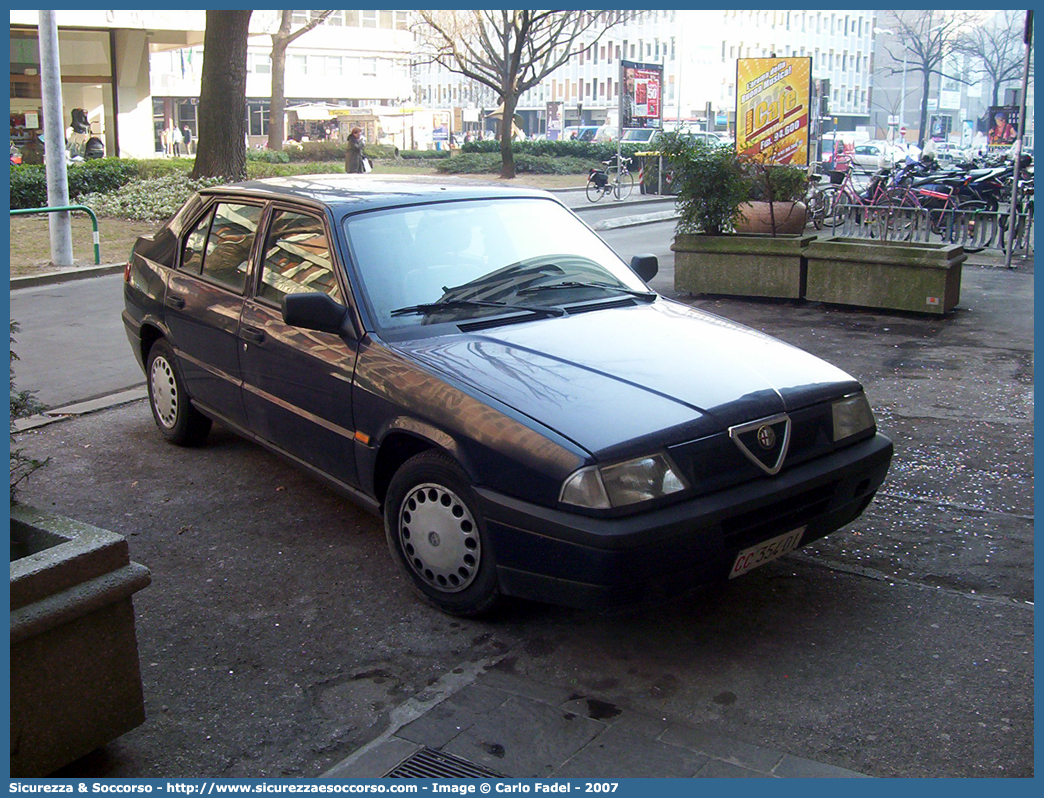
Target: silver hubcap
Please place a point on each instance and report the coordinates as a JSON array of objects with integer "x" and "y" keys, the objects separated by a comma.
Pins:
[
  {"x": 165, "y": 396},
  {"x": 439, "y": 537}
]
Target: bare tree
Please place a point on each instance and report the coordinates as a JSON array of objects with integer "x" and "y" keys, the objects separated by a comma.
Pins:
[
  {"x": 509, "y": 51},
  {"x": 281, "y": 40},
  {"x": 221, "y": 147},
  {"x": 997, "y": 48},
  {"x": 928, "y": 38}
]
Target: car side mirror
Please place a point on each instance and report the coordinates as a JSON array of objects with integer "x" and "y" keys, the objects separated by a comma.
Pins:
[
  {"x": 645, "y": 266},
  {"x": 317, "y": 311}
]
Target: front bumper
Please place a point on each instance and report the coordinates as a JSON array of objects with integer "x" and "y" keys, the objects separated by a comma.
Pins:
[{"x": 566, "y": 558}]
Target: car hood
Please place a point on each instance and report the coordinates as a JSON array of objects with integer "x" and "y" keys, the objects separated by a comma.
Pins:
[{"x": 613, "y": 380}]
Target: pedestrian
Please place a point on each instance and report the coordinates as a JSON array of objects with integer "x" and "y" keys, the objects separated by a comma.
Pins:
[
  {"x": 165, "y": 141},
  {"x": 353, "y": 154},
  {"x": 177, "y": 139},
  {"x": 187, "y": 137}
]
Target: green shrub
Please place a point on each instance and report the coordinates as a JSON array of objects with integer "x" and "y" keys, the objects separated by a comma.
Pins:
[
  {"x": 776, "y": 182},
  {"x": 259, "y": 169},
  {"x": 151, "y": 168},
  {"x": 380, "y": 151},
  {"x": 29, "y": 181},
  {"x": 427, "y": 155},
  {"x": 487, "y": 162},
  {"x": 710, "y": 182},
  {"x": 602, "y": 151},
  {"x": 155, "y": 198},
  {"x": 267, "y": 156}
]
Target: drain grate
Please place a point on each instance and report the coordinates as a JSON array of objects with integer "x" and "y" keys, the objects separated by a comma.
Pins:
[{"x": 428, "y": 763}]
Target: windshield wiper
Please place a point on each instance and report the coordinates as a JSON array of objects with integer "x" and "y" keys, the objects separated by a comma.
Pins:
[
  {"x": 451, "y": 304},
  {"x": 578, "y": 284}
]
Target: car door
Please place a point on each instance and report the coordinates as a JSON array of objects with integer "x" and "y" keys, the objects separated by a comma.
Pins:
[
  {"x": 204, "y": 299},
  {"x": 297, "y": 384}
]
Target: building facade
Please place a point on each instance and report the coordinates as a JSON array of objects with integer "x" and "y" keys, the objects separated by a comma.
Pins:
[{"x": 698, "y": 50}]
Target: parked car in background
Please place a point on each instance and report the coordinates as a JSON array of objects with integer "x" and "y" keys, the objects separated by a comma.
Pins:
[
  {"x": 526, "y": 416},
  {"x": 946, "y": 152},
  {"x": 876, "y": 155},
  {"x": 582, "y": 132}
]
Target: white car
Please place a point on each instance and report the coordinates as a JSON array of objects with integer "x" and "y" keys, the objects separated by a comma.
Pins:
[
  {"x": 877, "y": 154},
  {"x": 947, "y": 152}
]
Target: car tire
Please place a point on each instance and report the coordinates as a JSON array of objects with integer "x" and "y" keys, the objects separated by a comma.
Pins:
[
  {"x": 438, "y": 536},
  {"x": 172, "y": 409}
]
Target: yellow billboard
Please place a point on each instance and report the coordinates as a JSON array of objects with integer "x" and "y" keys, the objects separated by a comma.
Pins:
[{"x": 773, "y": 108}]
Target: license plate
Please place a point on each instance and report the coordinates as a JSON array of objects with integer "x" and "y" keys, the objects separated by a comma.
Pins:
[{"x": 766, "y": 551}]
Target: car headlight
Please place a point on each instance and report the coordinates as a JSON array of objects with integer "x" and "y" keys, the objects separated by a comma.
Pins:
[
  {"x": 620, "y": 484},
  {"x": 851, "y": 415}
]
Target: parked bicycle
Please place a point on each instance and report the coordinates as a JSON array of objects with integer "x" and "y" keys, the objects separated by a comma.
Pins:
[
  {"x": 828, "y": 204},
  {"x": 613, "y": 178}
]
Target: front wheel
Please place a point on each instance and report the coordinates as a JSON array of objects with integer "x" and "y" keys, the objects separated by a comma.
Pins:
[
  {"x": 624, "y": 186},
  {"x": 172, "y": 410},
  {"x": 438, "y": 536},
  {"x": 594, "y": 191}
]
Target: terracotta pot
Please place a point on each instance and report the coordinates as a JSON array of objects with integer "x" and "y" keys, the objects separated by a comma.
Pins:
[{"x": 757, "y": 217}]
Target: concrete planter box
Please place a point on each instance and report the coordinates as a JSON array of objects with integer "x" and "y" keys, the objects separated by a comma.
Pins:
[
  {"x": 898, "y": 275},
  {"x": 75, "y": 677},
  {"x": 741, "y": 265}
]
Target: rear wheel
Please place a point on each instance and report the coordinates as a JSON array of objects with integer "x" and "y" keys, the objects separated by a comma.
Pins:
[
  {"x": 438, "y": 535},
  {"x": 970, "y": 225},
  {"x": 172, "y": 409},
  {"x": 594, "y": 191}
]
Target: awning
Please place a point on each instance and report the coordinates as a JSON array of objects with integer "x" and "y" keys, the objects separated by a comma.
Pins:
[{"x": 311, "y": 113}]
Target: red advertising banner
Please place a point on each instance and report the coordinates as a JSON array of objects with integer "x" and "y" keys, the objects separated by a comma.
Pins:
[{"x": 641, "y": 101}]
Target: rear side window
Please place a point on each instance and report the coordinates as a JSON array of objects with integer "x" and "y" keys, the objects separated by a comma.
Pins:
[
  {"x": 297, "y": 258},
  {"x": 231, "y": 238},
  {"x": 195, "y": 241},
  {"x": 218, "y": 246}
]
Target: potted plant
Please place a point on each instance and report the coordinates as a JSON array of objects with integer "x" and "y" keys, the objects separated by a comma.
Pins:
[
  {"x": 774, "y": 205},
  {"x": 710, "y": 256}
]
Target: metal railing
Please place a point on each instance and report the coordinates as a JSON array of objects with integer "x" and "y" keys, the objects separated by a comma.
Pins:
[
  {"x": 84, "y": 208},
  {"x": 975, "y": 230}
]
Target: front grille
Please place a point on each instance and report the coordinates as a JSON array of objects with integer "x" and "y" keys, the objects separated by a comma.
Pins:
[
  {"x": 750, "y": 527},
  {"x": 428, "y": 763}
]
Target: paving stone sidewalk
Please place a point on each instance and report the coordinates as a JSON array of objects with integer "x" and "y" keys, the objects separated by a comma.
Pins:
[{"x": 503, "y": 725}]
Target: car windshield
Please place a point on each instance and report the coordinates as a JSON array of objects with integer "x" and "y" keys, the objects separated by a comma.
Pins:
[
  {"x": 638, "y": 135},
  {"x": 455, "y": 261}
]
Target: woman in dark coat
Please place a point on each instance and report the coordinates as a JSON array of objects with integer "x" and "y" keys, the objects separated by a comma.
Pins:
[{"x": 353, "y": 156}]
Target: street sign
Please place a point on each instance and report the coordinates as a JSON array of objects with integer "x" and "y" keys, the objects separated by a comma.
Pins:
[{"x": 902, "y": 131}]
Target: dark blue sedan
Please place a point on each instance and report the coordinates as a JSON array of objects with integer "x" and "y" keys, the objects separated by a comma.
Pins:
[{"x": 476, "y": 366}]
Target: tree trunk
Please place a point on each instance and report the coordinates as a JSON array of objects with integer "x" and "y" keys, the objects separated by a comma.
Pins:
[
  {"x": 276, "y": 109},
  {"x": 221, "y": 143},
  {"x": 276, "y": 116},
  {"x": 925, "y": 86},
  {"x": 507, "y": 155}
]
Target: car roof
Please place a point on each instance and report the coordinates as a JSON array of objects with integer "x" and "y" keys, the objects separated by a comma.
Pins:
[{"x": 361, "y": 192}]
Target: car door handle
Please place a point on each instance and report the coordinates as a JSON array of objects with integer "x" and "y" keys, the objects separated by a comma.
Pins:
[
  {"x": 253, "y": 334},
  {"x": 175, "y": 301}
]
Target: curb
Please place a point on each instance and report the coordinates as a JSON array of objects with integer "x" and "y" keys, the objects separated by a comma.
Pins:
[
  {"x": 66, "y": 275},
  {"x": 56, "y": 414}
]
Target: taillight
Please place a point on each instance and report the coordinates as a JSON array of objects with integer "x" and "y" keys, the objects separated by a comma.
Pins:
[{"x": 126, "y": 272}]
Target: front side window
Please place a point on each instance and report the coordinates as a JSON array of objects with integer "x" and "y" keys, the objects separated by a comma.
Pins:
[
  {"x": 297, "y": 258},
  {"x": 231, "y": 239}
]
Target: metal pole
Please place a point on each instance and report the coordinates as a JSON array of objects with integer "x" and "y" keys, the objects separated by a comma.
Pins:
[
  {"x": 1013, "y": 214},
  {"x": 59, "y": 224}
]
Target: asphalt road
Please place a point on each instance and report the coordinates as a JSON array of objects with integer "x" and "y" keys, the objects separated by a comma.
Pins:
[{"x": 277, "y": 637}]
